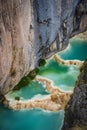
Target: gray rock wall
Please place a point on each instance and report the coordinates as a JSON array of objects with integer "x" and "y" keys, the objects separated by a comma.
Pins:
[
  {"x": 34, "y": 29},
  {"x": 76, "y": 109}
]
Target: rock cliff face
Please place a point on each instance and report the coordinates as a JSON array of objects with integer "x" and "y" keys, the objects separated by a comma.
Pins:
[
  {"x": 81, "y": 36},
  {"x": 34, "y": 29},
  {"x": 76, "y": 110}
]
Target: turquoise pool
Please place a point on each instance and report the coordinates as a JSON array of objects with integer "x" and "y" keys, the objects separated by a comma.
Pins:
[
  {"x": 35, "y": 119},
  {"x": 64, "y": 77},
  {"x": 33, "y": 89},
  {"x": 77, "y": 49}
]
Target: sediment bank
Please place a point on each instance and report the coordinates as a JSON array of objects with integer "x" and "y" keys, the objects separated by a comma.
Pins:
[
  {"x": 68, "y": 62},
  {"x": 55, "y": 101}
]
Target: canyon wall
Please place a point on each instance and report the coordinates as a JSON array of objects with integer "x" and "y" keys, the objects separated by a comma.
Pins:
[
  {"x": 35, "y": 29},
  {"x": 76, "y": 109}
]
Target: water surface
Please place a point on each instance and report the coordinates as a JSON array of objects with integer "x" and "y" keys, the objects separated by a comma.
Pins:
[
  {"x": 30, "y": 91},
  {"x": 64, "y": 77},
  {"x": 77, "y": 49},
  {"x": 35, "y": 119}
]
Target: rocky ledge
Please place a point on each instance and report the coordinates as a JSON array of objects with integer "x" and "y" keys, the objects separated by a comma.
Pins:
[
  {"x": 76, "y": 109},
  {"x": 68, "y": 62},
  {"x": 81, "y": 36}
]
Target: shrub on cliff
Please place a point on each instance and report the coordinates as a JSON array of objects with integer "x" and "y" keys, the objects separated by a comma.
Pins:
[{"x": 17, "y": 98}]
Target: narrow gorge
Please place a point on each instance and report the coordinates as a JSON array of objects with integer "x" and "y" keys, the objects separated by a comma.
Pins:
[
  {"x": 43, "y": 51},
  {"x": 34, "y": 29}
]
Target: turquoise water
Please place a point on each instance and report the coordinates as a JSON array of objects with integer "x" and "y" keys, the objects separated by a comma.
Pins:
[
  {"x": 77, "y": 50},
  {"x": 28, "y": 92},
  {"x": 34, "y": 119},
  {"x": 64, "y": 77}
]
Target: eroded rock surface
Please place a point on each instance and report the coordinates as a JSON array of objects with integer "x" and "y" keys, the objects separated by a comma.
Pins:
[
  {"x": 81, "y": 36},
  {"x": 34, "y": 29},
  {"x": 76, "y": 109}
]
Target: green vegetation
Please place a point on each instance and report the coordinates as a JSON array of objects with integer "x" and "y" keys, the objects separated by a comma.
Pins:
[
  {"x": 42, "y": 62},
  {"x": 33, "y": 73},
  {"x": 17, "y": 98},
  {"x": 27, "y": 79},
  {"x": 24, "y": 82}
]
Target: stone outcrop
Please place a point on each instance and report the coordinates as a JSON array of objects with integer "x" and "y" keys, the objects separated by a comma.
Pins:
[
  {"x": 81, "y": 36},
  {"x": 76, "y": 109},
  {"x": 35, "y": 29}
]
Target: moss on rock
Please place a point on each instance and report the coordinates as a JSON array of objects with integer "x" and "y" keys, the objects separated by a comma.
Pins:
[
  {"x": 42, "y": 62},
  {"x": 33, "y": 73},
  {"x": 17, "y": 98},
  {"x": 27, "y": 79}
]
